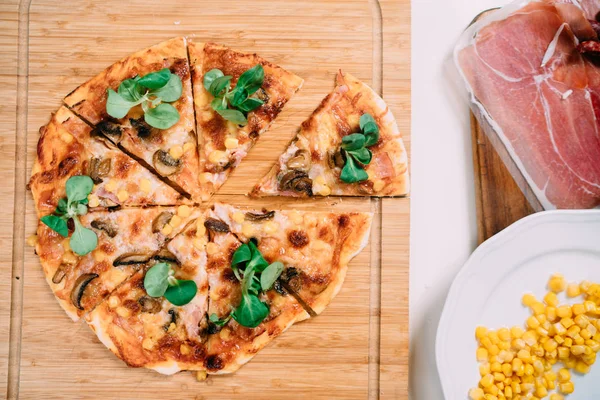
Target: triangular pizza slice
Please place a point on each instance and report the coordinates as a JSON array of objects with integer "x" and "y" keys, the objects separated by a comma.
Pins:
[
  {"x": 68, "y": 147},
  {"x": 126, "y": 240},
  {"x": 144, "y": 104},
  {"x": 349, "y": 146},
  {"x": 234, "y": 335},
  {"x": 314, "y": 247},
  {"x": 164, "y": 332},
  {"x": 246, "y": 95}
]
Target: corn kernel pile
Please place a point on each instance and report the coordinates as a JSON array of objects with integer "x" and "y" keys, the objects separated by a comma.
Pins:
[{"x": 517, "y": 363}]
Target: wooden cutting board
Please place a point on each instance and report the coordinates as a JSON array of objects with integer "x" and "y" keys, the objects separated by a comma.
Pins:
[{"x": 358, "y": 347}]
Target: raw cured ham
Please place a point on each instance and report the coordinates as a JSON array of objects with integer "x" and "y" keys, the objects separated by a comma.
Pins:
[{"x": 535, "y": 90}]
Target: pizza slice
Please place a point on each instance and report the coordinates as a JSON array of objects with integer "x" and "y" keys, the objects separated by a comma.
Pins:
[
  {"x": 164, "y": 331},
  {"x": 143, "y": 103},
  {"x": 68, "y": 147},
  {"x": 126, "y": 239},
  {"x": 349, "y": 146},
  {"x": 236, "y": 328},
  {"x": 314, "y": 247},
  {"x": 236, "y": 98}
]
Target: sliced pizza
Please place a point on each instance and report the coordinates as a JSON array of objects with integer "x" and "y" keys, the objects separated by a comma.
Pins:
[
  {"x": 126, "y": 240},
  {"x": 236, "y": 98},
  {"x": 349, "y": 146},
  {"x": 314, "y": 247},
  {"x": 68, "y": 147},
  {"x": 143, "y": 103},
  {"x": 234, "y": 334},
  {"x": 164, "y": 331}
]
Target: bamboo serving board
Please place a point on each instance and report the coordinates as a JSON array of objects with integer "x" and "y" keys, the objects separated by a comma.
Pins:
[{"x": 358, "y": 347}]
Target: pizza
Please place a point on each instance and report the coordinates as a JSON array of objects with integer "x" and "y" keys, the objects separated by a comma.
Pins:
[
  {"x": 231, "y": 345},
  {"x": 69, "y": 147},
  {"x": 124, "y": 241},
  {"x": 151, "y": 332},
  {"x": 349, "y": 146},
  {"x": 127, "y": 239},
  {"x": 315, "y": 247},
  {"x": 171, "y": 153},
  {"x": 222, "y": 143}
]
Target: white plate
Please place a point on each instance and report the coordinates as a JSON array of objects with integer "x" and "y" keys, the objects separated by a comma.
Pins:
[{"x": 488, "y": 290}]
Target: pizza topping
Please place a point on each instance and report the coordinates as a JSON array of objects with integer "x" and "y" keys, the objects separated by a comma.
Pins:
[
  {"x": 122, "y": 195},
  {"x": 160, "y": 281},
  {"x": 297, "y": 181},
  {"x": 176, "y": 152},
  {"x": 149, "y": 304},
  {"x": 79, "y": 288},
  {"x": 218, "y": 157},
  {"x": 300, "y": 160},
  {"x": 256, "y": 276},
  {"x": 60, "y": 274},
  {"x": 250, "y": 216},
  {"x": 291, "y": 277},
  {"x": 184, "y": 211},
  {"x": 298, "y": 239},
  {"x": 231, "y": 143},
  {"x": 83, "y": 240},
  {"x": 234, "y": 105},
  {"x": 354, "y": 148},
  {"x": 145, "y": 185},
  {"x": 161, "y": 221},
  {"x": 216, "y": 225},
  {"x": 154, "y": 92},
  {"x": 109, "y": 129},
  {"x": 337, "y": 159},
  {"x": 99, "y": 168},
  {"x": 164, "y": 164},
  {"x": 165, "y": 255},
  {"x": 106, "y": 226},
  {"x": 132, "y": 258}
]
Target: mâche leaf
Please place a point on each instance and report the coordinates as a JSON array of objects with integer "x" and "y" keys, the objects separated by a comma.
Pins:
[
  {"x": 159, "y": 281},
  {"x": 352, "y": 173},
  {"x": 163, "y": 116},
  {"x": 220, "y": 84},
  {"x": 78, "y": 188},
  {"x": 155, "y": 80},
  {"x": 234, "y": 105},
  {"x": 256, "y": 276},
  {"x": 251, "y": 311},
  {"x": 83, "y": 240},
  {"x": 171, "y": 91},
  {"x": 117, "y": 106},
  {"x": 153, "y": 91},
  {"x": 210, "y": 76},
  {"x": 130, "y": 90},
  {"x": 270, "y": 275},
  {"x": 182, "y": 292},
  {"x": 234, "y": 116},
  {"x": 354, "y": 147},
  {"x": 156, "y": 280},
  {"x": 57, "y": 224}
]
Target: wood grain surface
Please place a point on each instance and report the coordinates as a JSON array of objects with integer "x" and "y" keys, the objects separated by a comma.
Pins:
[
  {"x": 498, "y": 198},
  {"x": 358, "y": 347}
]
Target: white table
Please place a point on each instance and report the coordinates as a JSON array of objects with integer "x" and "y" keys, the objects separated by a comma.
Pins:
[{"x": 443, "y": 223}]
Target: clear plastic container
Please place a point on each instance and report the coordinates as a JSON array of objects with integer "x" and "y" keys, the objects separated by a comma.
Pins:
[{"x": 537, "y": 98}]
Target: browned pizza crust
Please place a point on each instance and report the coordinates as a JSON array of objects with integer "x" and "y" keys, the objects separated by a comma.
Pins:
[
  {"x": 310, "y": 165},
  {"x": 218, "y": 157}
]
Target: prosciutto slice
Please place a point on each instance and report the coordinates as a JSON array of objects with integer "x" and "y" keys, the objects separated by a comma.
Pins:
[{"x": 540, "y": 95}]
